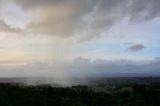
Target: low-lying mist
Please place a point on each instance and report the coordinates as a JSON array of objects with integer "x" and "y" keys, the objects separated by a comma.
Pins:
[{"x": 79, "y": 71}]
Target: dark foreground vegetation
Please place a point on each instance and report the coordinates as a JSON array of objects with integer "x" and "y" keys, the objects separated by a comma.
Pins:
[{"x": 131, "y": 95}]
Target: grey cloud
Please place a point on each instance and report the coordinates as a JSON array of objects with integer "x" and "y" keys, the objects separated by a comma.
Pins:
[
  {"x": 6, "y": 28},
  {"x": 32, "y": 4},
  {"x": 144, "y": 10},
  {"x": 136, "y": 47},
  {"x": 101, "y": 15}
]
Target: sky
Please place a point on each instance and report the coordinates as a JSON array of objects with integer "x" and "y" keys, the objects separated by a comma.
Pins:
[{"x": 61, "y": 38}]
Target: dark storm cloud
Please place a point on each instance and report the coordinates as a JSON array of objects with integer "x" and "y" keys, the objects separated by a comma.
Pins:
[
  {"x": 86, "y": 19},
  {"x": 136, "y": 47}
]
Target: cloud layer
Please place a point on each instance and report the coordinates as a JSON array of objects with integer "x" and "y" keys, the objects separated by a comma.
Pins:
[
  {"x": 84, "y": 68},
  {"x": 85, "y": 19}
]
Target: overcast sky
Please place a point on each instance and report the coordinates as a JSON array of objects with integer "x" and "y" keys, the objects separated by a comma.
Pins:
[{"x": 90, "y": 36}]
